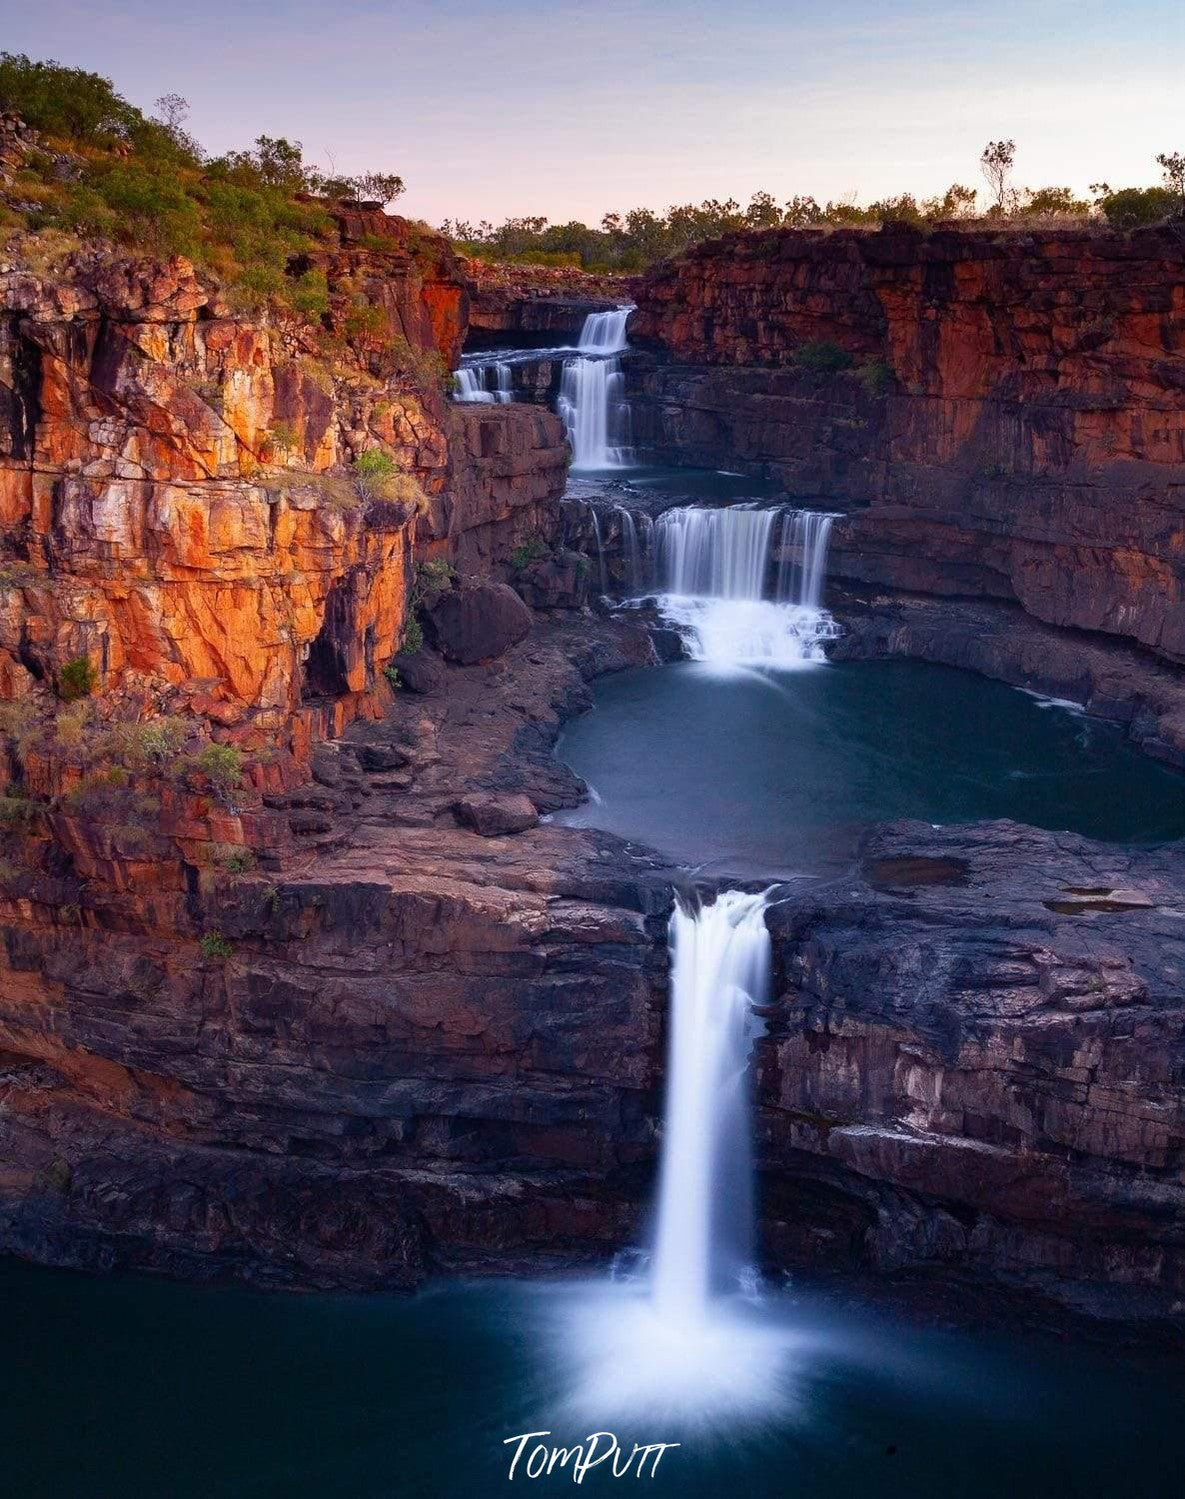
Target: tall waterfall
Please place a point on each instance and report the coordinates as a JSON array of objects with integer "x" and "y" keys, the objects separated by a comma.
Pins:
[
  {"x": 721, "y": 959},
  {"x": 677, "y": 1341},
  {"x": 592, "y": 402},
  {"x": 745, "y": 584}
]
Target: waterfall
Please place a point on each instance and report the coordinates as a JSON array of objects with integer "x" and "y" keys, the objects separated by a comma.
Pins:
[
  {"x": 633, "y": 554},
  {"x": 721, "y": 959},
  {"x": 592, "y": 402},
  {"x": 715, "y": 553},
  {"x": 805, "y": 534},
  {"x": 688, "y": 1339},
  {"x": 473, "y": 384},
  {"x": 604, "y": 332},
  {"x": 602, "y": 575},
  {"x": 713, "y": 570}
]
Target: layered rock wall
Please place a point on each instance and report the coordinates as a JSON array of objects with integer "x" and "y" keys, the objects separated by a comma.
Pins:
[
  {"x": 976, "y": 1063},
  {"x": 1000, "y": 414}
]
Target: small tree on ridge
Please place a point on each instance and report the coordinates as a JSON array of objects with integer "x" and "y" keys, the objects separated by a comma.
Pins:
[{"x": 996, "y": 163}]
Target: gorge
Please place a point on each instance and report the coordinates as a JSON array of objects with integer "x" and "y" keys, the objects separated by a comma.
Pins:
[{"x": 321, "y": 969}]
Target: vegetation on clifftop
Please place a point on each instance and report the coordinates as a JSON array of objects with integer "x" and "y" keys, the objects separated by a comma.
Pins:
[
  {"x": 634, "y": 240},
  {"x": 101, "y": 169}
]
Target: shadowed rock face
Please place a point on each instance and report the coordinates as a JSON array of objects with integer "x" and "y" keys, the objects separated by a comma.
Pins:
[
  {"x": 418, "y": 1044},
  {"x": 978, "y": 1060},
  {"x": 1010, "y": 422}
]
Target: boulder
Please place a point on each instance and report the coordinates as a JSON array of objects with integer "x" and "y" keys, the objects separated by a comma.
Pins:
[
  {"x": 492, "y": 816},
  {"x": 557, "y": 581},
  {"x": 475, "y": 619},
  {"x": 419, "y": 671}
]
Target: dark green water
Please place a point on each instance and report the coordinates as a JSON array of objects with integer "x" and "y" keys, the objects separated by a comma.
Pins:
[
  {"x": 149, "y": 1390},
  {"x": 776, "y": 772}
]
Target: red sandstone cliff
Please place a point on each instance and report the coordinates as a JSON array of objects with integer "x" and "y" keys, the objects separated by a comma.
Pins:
[
  {"x": 1002, "y": 414},
  {"x": 181, "y": 520}
]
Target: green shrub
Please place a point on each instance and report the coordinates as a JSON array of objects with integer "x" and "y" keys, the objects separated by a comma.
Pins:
[
  {"x": 239, "y": 861},
  {"x": 310, "y": 297},
  {"x": 77, "y": 678},
  {"x": 146, "y": 746},
  {"x": 366, "y": 323},
  {"x": 74, "y": 104},
  {"x": 18, "y": 811},
  {"x": 1134, "y": 207},
  {"x": 876, "y": 377},
  {"x": 149, "y": 204},
  {"x": 391, "y": 672},
  {"x": 373, "y": 464},
  {"x": 215, "y": 947},
  {"x": 413, "y": 636},
  {"x": 528, "y": 552},
  {"x": 822, "y": 356},
  {"x": 222, "y": 765},
  {"x": 377, "y": 476}
]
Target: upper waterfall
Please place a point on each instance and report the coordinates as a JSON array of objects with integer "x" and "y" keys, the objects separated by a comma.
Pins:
[
  {"x": 745, "y": 583},
  {"x": 592, "y": 402},
  {"x": 604, "y": 332}
]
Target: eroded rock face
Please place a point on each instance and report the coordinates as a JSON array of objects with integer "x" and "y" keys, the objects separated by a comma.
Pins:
[
  {"x": 1010, "y": 424},
  {"x": 976, "y": 1061},
  {"x": 152, "y": 519},
  {"x": 176, "y": 497},
  {"x": 411, "y": 1048}
]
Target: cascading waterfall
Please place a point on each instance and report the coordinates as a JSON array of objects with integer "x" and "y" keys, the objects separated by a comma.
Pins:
[
  {"x": 470, "y": 386},
  {"x": 721, "y": 959},
  {"x": 602, "y": 571},
  {"x": 592, "y": 402},
  {"x": 803, "y": 560},
  {"x": 503, "y": 390},
  {"x": 713, "y": 570},
  {"x": 485, "y": 384}
]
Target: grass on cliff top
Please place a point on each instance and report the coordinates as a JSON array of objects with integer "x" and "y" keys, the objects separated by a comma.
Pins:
[{"x": 103, "y": 170}]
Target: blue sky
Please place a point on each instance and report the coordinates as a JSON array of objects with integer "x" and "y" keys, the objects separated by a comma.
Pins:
[{"x": 496, "y": 107}]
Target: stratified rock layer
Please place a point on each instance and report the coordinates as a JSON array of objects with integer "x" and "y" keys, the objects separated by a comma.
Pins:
[
  {"x": 1001, "y": 414},
  {"x": 422, "y": 1045},
  {"x": 977, "y": 1062}
]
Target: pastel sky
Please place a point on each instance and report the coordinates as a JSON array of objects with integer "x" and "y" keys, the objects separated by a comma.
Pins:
[{"x": 496, "y": 107}]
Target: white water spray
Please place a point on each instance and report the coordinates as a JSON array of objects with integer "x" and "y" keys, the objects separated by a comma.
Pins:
[
  {"x": 470, "y": 386},
  {"x": 592, "y": 404},
  {"x": 690, "y": 1341},
  {"x": 714, "y": 570}
]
